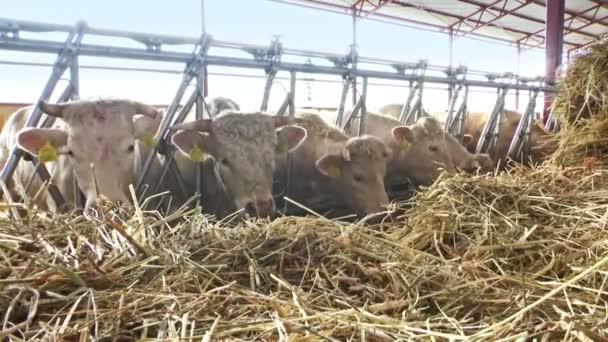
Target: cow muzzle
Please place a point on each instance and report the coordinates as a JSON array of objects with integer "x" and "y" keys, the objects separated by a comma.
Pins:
[{"x": 260, "y": 208}]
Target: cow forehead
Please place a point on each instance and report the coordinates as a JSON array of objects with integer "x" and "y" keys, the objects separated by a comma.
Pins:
[
  {"x": 93, "y": 116},
  {"x": 366, "y": 148},
  {"x": 254, "y": 128}
]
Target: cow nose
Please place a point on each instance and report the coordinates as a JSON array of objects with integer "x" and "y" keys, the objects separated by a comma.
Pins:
[{"x": 260, "y": 207}]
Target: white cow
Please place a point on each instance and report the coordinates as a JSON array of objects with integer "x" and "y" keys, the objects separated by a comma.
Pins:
[
  {"x": 100, "y": 142},
  {"x": 239, "y": 152}
]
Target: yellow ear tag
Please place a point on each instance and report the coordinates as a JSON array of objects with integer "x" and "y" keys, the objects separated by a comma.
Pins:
[
  {"x": 404, "y": 146},
  {"x": 148, "y": 140},
  {"x": 47, "y": 153},
  {"x": 196, "y": 154},
  {"x": 281, "y": 148},
  {"x": 334, "y": 172}
]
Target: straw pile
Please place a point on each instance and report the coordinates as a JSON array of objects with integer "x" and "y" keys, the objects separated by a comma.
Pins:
[
  {"x": 581, "y": 105},
  {"x": 480, "y": 258}
]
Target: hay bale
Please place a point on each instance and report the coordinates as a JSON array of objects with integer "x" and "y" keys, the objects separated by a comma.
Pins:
[{"x": 581, "y": 105}]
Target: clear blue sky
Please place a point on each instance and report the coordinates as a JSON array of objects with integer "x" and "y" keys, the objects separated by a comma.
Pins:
[{"x": 251, "y": 21}]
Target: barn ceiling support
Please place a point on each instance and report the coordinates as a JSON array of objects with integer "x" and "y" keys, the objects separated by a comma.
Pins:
[{"x": 554, "y": 25}]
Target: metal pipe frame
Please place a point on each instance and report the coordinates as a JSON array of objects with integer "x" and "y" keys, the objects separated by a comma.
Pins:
[
  {"x": 64, "y": 60},
  {"x": 169, "y": 154},
  {"x": 200, "y": 96},
  {"x": 490, "y": 130},
  {"x": 519, "y": 146},
  {"x": 307, "y": 68},
  {"x": 408, "y": 113},
  {"x": 454, "y": 123},
  {"x": 192, "y": 70}
]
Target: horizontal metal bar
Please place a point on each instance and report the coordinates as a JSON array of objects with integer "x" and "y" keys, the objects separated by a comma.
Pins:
[
  {"x": 31, "y": 26},
  {"x": 10, "y": 25},
  {"x": 167, "y": 56}
]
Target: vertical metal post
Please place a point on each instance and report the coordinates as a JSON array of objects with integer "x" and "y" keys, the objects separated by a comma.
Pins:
[
  {"x": 204, "y": 32},
  {"x": 363, "y": 100},
  {"x": 192, "y": 69},
  {"x": 203, "y": 28},
  {"x": 554, "y": 41},
  {"x": 346, "y": 83},
  {"x": 292, "y": 95},
  {"x": 353, "y": 53},
  {"x": 200, "y": 91},
  {"x": 270, "y": 75},
  {"x": 517, "y": 71},
  {"x": 79, "y": 198},
  {"x": 451, "y": 56}
]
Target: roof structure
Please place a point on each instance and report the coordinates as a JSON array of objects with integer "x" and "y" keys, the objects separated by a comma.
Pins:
[{"x": 511, "y": 21}]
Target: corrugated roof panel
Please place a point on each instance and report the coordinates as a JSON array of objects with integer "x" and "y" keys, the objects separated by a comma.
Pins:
[
  {"x": 578, "y": 38},
  {"x": 452, "y": 7},
  {"x": 519, "y": 24},
  {"x": 528, "y": 18},
  {"x": 595, "y": 29},
  {"x": 416, "y": 14},
  {"x": 533, "y": 10},
  {"x": 500, "y": 33},
  {"x": 579, "y": 5}
]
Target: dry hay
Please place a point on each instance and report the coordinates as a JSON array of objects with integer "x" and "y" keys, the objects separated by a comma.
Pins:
[
  {"x": 481, "y": 258},
  {"x": 581, "y": 105}
]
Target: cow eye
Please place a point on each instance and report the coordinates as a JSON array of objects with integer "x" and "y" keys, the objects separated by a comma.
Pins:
[
  {"x": 225, "y": 162},
  {"x": 70, "y": 153},
  {"x": 131, "y": 148},
  {"x": 433, "y": 148},
  {"x": 358, "y": 178}
]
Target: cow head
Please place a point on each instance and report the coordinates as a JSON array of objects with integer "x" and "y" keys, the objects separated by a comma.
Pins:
[
  {"x": 420, "y": 151},
  {"x": 245, "y": 148},
  {"x": 465, "y": 160},
  {"x": 101, "y": 140},
  {"x": 357, "y": 174}
]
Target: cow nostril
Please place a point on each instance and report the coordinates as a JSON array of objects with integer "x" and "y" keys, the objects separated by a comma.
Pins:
[
  {"x": 265, "y": 207},
  {"x": 251, "y": 209}
]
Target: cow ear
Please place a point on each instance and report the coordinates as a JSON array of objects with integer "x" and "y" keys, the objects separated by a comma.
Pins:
[
  {"x": 145, "y": 127},
  {"x": 32, "y": 140},
  {"x": 403, "y": 134},
  {"x": 467, "y": 139},
  {"x": 330, "y": 165},
  {"x": 291, "y": 137},
  {"x": 193, "y": 144}
]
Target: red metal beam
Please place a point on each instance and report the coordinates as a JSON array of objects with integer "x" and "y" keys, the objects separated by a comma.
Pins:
[{"x": 554, "y": 43}]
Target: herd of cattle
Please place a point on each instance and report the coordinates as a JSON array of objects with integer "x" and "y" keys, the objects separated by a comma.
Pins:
[{"x": 103, "y": 144}]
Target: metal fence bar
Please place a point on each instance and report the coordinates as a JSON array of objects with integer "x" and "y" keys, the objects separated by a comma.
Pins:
[
  {"x": 489, "y": 132},
  {"x": 521, "y": 138},
  {"x": 134, "y": 53},
  {"x": 193, "y": 68},
  {"x": 68, "y": 50},
  {"x": 363, "y": 109}
]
